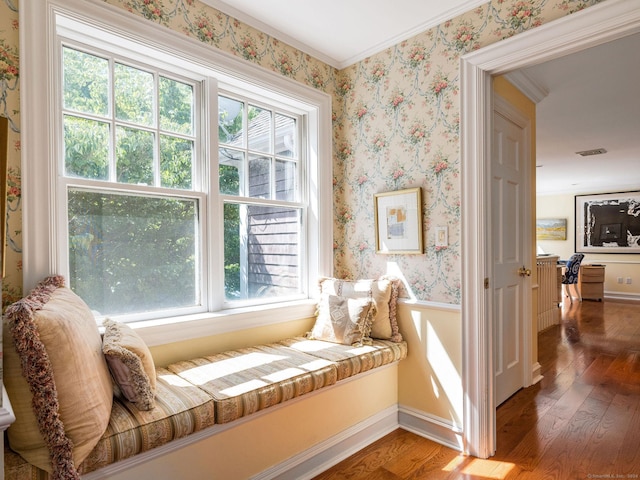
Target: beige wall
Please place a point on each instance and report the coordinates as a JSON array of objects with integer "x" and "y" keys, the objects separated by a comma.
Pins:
[
  {"x": 617, "y": 265},
  {"x": 164, "y": 355},
  {"x": 430, "y": 378}
]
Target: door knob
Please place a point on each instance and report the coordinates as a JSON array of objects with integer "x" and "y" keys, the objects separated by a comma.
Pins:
[{"x": 524, "y": 272}]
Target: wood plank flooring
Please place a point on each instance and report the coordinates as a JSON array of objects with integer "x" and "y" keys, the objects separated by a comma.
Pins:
[{"x": 582, "y": 421}]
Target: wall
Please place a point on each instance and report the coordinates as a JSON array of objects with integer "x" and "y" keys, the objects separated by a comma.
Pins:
[
  {"x": 430, "y": 378},
  {"x": 397, "y": 126},
  {"x": 10, "y": 108},
  {"x": 617, "y": 265},
  {"x": 396, "y": 111}
]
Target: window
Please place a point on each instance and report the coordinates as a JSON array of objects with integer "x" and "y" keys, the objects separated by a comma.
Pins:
[
  {"x": 259, "y": 164},
  {"x": 180, "y": 182},
  {"x": 123, "y": 127}
]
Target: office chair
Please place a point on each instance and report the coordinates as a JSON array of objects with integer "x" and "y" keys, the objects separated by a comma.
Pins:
[{"x": 570, "y": 275}]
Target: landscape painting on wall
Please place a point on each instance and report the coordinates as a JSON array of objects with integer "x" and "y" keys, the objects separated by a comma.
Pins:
[
  {"x": 551, "y": 229},
  {"x": 608, "y": 223}
]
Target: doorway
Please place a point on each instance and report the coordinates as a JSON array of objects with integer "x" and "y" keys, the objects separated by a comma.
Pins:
[{"x": 593, "y": 26}]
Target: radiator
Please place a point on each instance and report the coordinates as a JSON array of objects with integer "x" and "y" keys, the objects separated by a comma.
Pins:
[{"x": 549, "y": 295}]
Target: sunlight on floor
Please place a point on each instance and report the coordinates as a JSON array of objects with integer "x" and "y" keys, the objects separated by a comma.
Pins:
[{"x": 479, "y": 468}]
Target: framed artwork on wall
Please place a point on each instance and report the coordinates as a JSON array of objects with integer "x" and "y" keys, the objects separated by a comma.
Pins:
[
  {"x": 608, "y": 223},
  {"x": 398, "y": 221},
  {"x": 551, "y": 229}
]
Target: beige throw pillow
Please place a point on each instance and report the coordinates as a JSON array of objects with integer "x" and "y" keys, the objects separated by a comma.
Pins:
[
  {"x": 131, "y": 364},
  {"x": 383, "y": 291},
  {"x": 343, "y": 320},
  {"x": 56, "y": 377}
]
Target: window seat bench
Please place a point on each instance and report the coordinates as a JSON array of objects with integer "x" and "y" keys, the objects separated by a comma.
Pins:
[{"x": 196, "y": 394}]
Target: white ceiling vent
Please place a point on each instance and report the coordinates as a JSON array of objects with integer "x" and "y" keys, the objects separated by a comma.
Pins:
[{"x": 595, "y": 151}]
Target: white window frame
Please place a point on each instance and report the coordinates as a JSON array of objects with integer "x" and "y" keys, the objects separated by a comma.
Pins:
[{"x": 41, "y": 23}]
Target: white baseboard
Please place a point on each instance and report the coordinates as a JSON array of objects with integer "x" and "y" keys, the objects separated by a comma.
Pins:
[
  {"x": 319, "y": 458},
  {"x": 627, "y": 297},
  {"x": 434, "y": 428},
  {"x": 536, "y": 376},
  {"x": 323, "y": 456}
]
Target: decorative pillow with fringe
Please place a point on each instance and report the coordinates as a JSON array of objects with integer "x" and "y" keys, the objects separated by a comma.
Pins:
[
  {"x": 56, "y": 377},
  {"x": 131, "y": 364},
  {"x": 383, "y": 291},
  {"x": 343, "y": 320}
]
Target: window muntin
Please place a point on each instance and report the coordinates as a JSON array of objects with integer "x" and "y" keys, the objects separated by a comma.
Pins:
[{"x": 128, "y": 138}]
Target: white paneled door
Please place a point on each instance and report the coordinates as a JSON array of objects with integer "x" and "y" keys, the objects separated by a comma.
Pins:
[{"x": 511, "y": 275}]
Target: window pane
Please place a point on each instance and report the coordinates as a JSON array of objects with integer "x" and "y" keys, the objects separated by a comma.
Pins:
[
  {"x": 86, "y": 148},
  {"x": 176, "y": 161},
  {"x": 259, "y": 177},
  {"x": 176, "y": 106},
  {"x": 286, "y": 180},
  {"x": 232, "y": 251},
  {"x": 261, "y": 251},
  {"x": 134, "y": 94},
  {"x": 230, "y": 127},
  {"x": 86, "y": 82},
  {"x": 286, "y": 135},
  {"x": 260, "y": 129},
  {"x": 132, "y": 254},
  {"x": 134, "y": 156},
  {"x": 230, "y": 171}
]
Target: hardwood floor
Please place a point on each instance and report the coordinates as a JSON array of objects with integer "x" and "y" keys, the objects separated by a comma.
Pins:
[{"x": 582, "y": 421}]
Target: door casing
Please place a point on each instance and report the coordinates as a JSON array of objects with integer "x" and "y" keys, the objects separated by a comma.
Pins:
[{"x": 590, "y": 27}]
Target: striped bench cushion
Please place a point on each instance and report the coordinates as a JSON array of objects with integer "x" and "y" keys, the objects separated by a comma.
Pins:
[
  {"x": 222, "y": 387},
  {"x": 250, "y": 379},
  {"x": 181, "y": 409},
  {"x": 348, "y": 359}
]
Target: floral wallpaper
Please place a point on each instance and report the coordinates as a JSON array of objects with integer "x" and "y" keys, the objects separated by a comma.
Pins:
[
  {"x": 396, "y": 125},
  {"x": 10, "y": 108}
]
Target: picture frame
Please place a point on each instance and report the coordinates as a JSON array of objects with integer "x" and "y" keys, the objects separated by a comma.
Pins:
[
  {"x": 608, "y": 222},
  {"x": 398, "y": 221},
  {"x": 551, "y": 229}
]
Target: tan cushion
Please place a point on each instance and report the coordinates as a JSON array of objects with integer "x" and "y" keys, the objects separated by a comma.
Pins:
[
  {"x": 384, "y": 292},
  {"x": 351, "y": 360},
  {"x": 250, "y": 379},
  {"x": 343, "y": 320},
  {"x": 131, "y": 364},
  {"x": 181, "y": 409},
  {"x": 53, "y": 339}
]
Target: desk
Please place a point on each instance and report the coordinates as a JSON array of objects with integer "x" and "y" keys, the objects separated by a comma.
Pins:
[{"x": 591, "y": 282}]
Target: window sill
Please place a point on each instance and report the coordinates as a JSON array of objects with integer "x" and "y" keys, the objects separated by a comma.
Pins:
[{"x": 188, "y": 327}]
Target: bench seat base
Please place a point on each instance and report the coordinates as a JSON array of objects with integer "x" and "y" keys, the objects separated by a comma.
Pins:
[{"x": 195, "y": 394}]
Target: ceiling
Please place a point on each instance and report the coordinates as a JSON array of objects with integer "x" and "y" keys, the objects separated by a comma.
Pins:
[
  {"x": 592, "y": 99},
  {"x": 339, "y": 32},
  {"x": 593, "y": 102}
]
